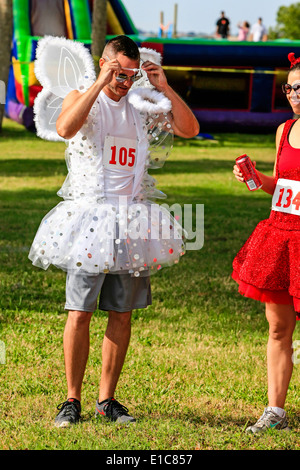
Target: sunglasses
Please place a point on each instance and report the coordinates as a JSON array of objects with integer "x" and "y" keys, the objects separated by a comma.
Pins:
[
  {"x": 286, "y": 88},
  {"x": 122, "y": 77}
]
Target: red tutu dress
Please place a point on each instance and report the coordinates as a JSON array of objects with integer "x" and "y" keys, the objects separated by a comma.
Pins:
[{"x": 267, "y": 267}]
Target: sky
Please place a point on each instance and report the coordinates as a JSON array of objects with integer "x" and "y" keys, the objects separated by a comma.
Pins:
[{"x": 200, "y": 16}]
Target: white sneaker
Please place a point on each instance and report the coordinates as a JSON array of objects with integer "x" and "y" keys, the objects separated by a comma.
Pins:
[{"x": 269, "y": 420}]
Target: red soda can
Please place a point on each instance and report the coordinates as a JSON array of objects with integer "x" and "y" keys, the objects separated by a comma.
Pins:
[{"x": 250, "y": 175}]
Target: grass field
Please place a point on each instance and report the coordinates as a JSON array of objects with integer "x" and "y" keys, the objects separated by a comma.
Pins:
[{"x": 195, "y": 373}]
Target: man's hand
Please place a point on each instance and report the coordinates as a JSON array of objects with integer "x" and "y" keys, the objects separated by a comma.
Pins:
[
  {"x": 107, "y": 70},
  {"x": 156, "y": 75}
]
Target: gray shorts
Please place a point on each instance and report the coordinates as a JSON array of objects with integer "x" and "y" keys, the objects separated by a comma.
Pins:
[{"x": 118, "y": 292}]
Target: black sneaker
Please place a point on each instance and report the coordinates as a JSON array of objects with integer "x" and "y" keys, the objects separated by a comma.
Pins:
[
  {"x": 69, "y": 413},
  {"x": 114, "y": 411}
]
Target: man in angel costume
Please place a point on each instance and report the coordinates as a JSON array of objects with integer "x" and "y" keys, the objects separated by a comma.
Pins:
[{"x": 107, "y": 233}]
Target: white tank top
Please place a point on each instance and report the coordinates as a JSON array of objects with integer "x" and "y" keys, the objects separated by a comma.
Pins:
[{"x": 119, "y": 146}]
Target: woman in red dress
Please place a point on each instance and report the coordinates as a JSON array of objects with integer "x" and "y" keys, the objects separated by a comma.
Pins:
[{"x": 267, "y": 267}]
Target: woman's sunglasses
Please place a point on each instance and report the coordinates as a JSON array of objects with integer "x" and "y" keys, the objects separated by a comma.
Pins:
[
  {"x": 286, "y": 88},
  {"x": 122, "y": 77}
]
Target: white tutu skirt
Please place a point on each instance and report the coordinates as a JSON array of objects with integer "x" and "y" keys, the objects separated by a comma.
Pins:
[{"x": 85, "y": 236}]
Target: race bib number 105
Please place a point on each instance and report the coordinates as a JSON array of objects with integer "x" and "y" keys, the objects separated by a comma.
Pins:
[
  {"x": 119, "y": 153},
  {"x": 286, "y": 197}
]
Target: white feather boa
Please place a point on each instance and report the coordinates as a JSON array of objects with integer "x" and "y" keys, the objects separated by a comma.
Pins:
[
  {"x": 149, "y": 101},
  {"x": 150, "y": 54}
]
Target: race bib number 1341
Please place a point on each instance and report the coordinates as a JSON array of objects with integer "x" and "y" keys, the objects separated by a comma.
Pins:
[{"x": 286, "y": 197}]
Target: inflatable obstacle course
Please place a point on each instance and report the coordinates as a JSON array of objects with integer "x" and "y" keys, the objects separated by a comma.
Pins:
[{"x": 228, "y": 84}]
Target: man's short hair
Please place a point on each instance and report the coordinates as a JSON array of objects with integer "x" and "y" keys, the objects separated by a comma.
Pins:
[{"x": 124, "y": 45}]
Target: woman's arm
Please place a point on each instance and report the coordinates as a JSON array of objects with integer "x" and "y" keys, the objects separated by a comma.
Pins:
[{"x": 268, "y": 182}]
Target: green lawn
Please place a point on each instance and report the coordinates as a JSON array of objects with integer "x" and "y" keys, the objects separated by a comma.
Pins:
[{"x": 195, "y": 374}]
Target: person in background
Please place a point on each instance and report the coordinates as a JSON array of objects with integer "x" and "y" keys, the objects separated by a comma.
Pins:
[
  {"x": 243, "y": 31},
  {"x": 258, "y": 31},
  {"x": 223, "y": 26}
]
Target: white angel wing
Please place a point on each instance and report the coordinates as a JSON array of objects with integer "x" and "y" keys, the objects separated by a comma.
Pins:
[
  {"x": 155, "y": 107},
  {"x": 61, "y": 66},
  {"x": 47, "y": 108},
  {"x": 161, "y": 139}
]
